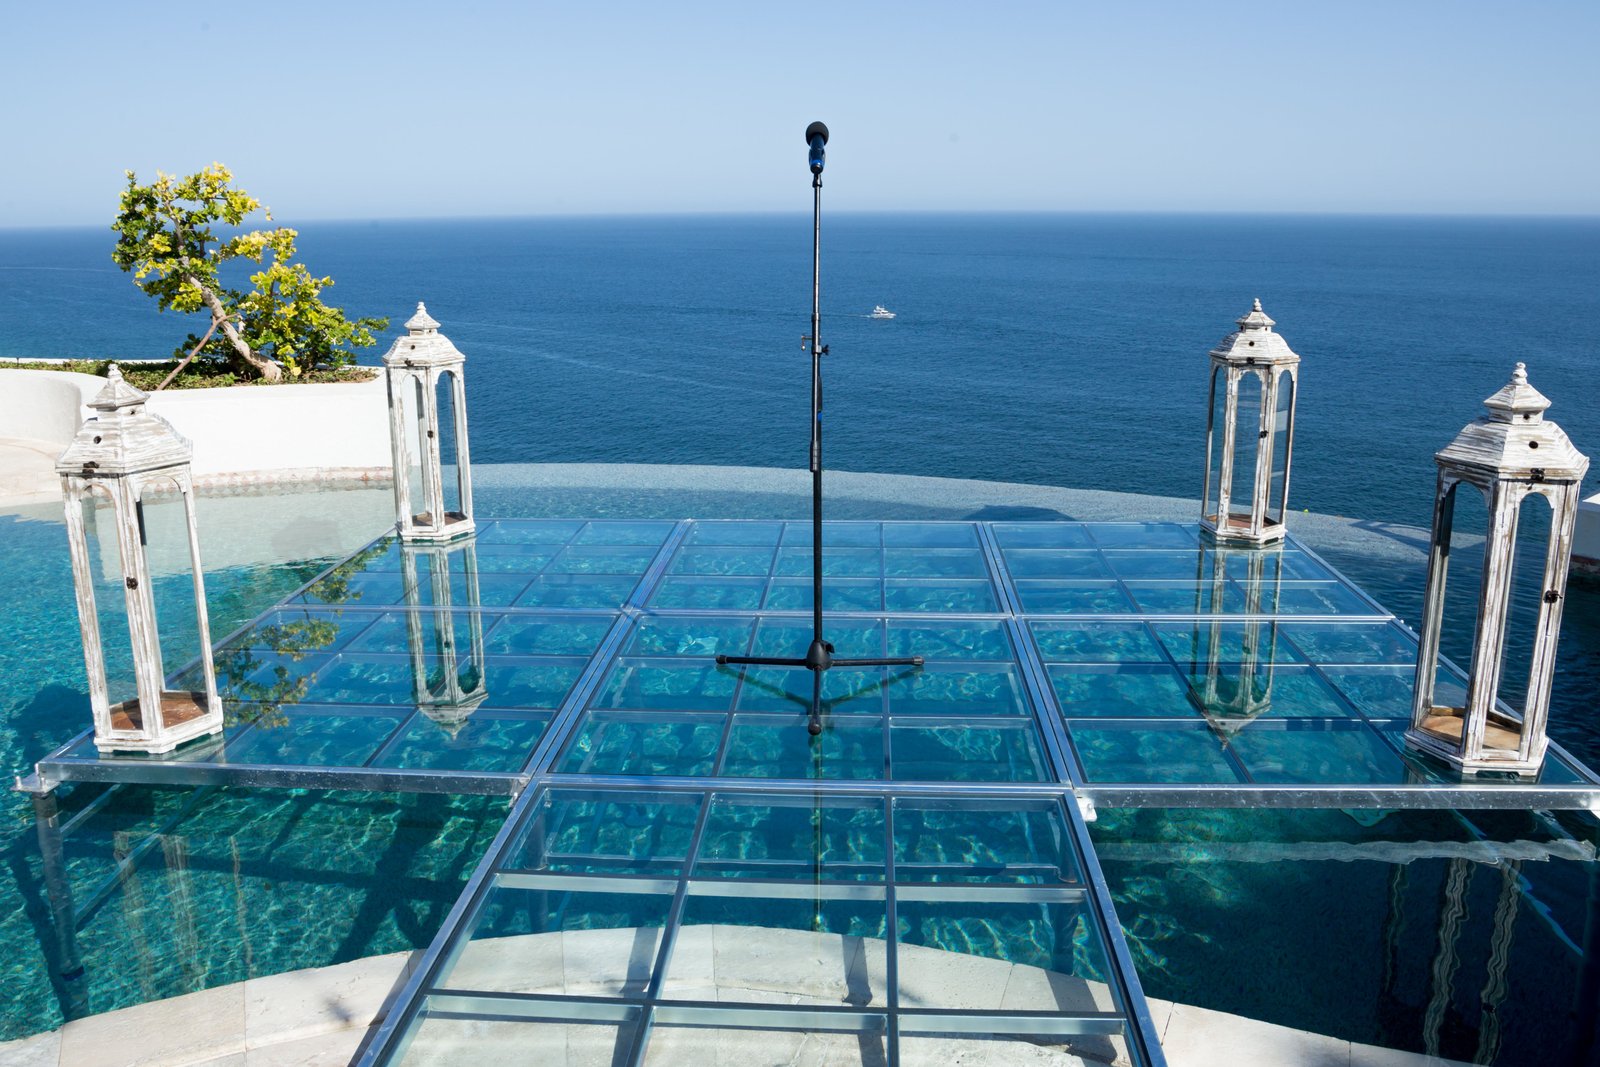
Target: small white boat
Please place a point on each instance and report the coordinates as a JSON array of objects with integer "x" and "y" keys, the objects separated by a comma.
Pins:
[{"x": 881, "y": 312}]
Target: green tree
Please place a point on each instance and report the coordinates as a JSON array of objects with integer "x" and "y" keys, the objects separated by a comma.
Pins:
[{"x": 168, "y": 238}]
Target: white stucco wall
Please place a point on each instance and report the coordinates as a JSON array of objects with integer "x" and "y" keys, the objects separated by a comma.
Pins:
[
  {"x": 1586, "y": 538},
  {"x": 242, "y": 435},
  {"x": 44, "y": 405},
  {"x": 281, "y": 430}
]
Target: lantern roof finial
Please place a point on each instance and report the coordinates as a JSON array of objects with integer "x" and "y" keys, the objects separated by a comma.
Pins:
[
  {"x": 117, "y": 393},
  {"x": 422, "y": 345},
  {"x": 1517, "y": 398},
  {"x": 421, "y": 322},
  {"x": 1255, "y": 318},
  {"x": 1255, "y": 342}
]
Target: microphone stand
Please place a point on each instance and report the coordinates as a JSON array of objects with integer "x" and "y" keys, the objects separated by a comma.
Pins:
[{"x": 819, "y": 657}]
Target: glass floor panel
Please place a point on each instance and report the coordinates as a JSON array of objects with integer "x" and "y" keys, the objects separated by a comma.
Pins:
[
  {"x": 508, "y": 562},
  {"x": 1087, "y": 653},
  {"x": 665, "y": 707},
  {"x": 867, "y": 567},
  {"x": 663, "y": 925},
  {"x": 1159, "y": 569},
  {"x": 432, "y": 691}
]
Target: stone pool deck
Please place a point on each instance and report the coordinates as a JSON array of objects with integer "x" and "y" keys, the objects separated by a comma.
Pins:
[{"x": 321, "y": 1017}]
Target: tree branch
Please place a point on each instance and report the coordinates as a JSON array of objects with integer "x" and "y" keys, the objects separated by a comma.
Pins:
[
  {"x": 219, "y": 317},
  {"x": 185, "y": 361}
]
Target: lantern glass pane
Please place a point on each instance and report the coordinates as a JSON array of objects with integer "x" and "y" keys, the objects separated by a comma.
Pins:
[
  {"x": 1215, "y": 420},
  {"x": 1246, "y": 445},
  {"x": 444, "y": 395},
  {"x": 1468, "y": 511},
  {"x": 111, "y": 614},
  {"x": 1280, "y": 447},
  {"x": 415, "y": 447},
  {"x": 165, "y": 528},
  {"x": 1528, "y": 583}
]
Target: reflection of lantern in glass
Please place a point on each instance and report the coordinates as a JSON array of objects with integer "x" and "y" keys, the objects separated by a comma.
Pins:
[
  {"x": 447, "y": 681},
  {"x": 1249, "y": 433},
  {"x": 1234, "y": 682},
  {"x": 418, "y": 367},
  {"x": 117, "y": 457},
  {"x": 1509, "y": 454}
]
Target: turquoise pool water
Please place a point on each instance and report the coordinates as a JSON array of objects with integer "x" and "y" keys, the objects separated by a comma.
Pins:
[
  {"x": 182, "y": 890},
  {"x": 1431, "y": 932}
]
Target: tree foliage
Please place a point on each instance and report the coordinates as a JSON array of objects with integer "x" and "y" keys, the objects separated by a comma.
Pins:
[{"x": 178, "y": 238}]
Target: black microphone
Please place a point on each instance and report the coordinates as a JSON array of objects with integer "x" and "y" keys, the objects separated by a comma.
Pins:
[{"x": 816, "y": 137}]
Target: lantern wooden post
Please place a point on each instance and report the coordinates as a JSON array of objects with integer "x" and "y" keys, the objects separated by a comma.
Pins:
[
  {"x": 1508, "y": 455},
  {"x": 413, "y": 367},
  {"x": 119, "y": 454},
  {"x": 1248, "y": 505}
]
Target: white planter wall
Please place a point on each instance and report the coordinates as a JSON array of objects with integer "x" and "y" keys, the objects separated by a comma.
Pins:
[
  {"x": 46, "y": 406},
  {"x": 282, "y": 432},
  {"x": 241, "y": 435},
  {"x": 1586, "y": 537}
]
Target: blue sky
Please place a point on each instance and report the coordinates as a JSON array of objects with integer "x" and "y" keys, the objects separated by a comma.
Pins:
[{"x": 361, "y": 110}]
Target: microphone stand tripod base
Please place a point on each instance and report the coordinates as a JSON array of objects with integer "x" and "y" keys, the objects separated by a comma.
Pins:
[{"x": 818, "y": 659}]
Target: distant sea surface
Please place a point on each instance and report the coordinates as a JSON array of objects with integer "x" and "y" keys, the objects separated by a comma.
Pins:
[{"x": 1058, "y": 349}]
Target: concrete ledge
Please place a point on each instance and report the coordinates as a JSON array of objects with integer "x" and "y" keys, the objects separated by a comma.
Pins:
[
  {"x": 28, "y": 471},
  {"x": 312, "y": 1018},
  {"x": 294, "y": 479},
  {"x": 45, "y": 405},
  {"x": 320, "y": 1017},
  {"x": 1199, "y": 1037}
]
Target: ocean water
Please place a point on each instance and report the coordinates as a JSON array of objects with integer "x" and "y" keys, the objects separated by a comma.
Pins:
[{"x": 1057, "y": 349}]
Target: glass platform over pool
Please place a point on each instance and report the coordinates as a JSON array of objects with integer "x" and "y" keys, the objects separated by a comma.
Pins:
[
  {"x": 1127, "y": 661},
  {"x": 687, "y": 873}
]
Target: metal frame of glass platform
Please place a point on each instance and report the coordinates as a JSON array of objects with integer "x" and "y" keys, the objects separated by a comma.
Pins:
[
  {"x": 1099, "y": 655},
  {"x": 572, "y": 665}
]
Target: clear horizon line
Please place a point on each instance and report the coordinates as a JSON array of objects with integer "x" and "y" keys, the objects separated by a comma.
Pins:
[{"x": 907, "y": 213}]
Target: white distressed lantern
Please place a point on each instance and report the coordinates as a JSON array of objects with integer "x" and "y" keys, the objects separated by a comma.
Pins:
[
  {"x": 448, "y": 682},
  {"x": 117, "y": 457},
  {"x": 1509, "y": 454},
  {"x": 414, "y": 366},
  {"x": 1254, "y": 375}
]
